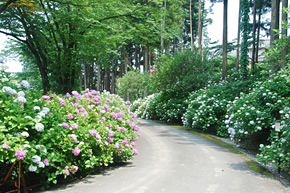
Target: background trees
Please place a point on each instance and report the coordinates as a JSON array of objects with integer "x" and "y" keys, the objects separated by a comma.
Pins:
[{"x": 80, "y": 44}]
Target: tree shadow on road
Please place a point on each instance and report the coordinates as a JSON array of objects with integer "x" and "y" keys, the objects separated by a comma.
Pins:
[{"x": 89, "y": 179}]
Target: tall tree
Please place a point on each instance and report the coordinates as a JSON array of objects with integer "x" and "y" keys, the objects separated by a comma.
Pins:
[
  {"x": 275, "y": 7},
  {"x": 245, "y": 29},
  {"x": 284, "y": 29},
  {"x": 191, "y": 34},
  {"x": 225, "y": 39},
  {"x": 200, "y": 24},
  {"x": 163, "y": 17},
  {"x": 239, "y": 38},
  {"x": 254, "y": 39},
  {"x": 225, "y": 36}
]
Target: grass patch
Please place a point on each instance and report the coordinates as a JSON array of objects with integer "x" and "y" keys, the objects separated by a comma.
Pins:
[
  {"x": 252, "y": 164},
  {"x": 258, "y": 168}
]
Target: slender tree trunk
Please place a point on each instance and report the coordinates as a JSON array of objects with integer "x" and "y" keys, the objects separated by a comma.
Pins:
[
  {"x": 149, "y": 57},
  {"x": 225, "y": 39},
  {"x": 258, "y": 36},
  {"x": 81, "y": 78},
  {"x": 163, "y": 28},
  {"x": 200, "y": 27},
  {"x": 99, "y": 77},
  {"x": 254, "y": 39},
  {"x": 108, "y": 77},
  {"x": 239, "y": 38},
  {"x": 274, "y": 20},
  {"x": 113, "y": 83},
  {"x": 146, "y": 65},
  {"x": 284, "y": 32},
  {"x": 125, "y": 63},
  {"x": 136, "y": 57},
  {"x": 92, "y": 72},
  {"x": 190, "y": 16}
]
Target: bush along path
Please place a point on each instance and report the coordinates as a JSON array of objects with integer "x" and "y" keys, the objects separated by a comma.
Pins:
[
  {"x": 175, "y": 160},
  {"x": 253, "y": 113},
  {"x": 55, "y": 137}
]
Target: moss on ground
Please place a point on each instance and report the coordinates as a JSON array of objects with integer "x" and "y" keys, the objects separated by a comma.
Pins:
[{"x": 252, "y": 164}]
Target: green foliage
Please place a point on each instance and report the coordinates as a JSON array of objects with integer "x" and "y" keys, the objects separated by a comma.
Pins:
[
  {"x": 208, "y": 107},
  {"x": 184, "y": 72},
  {"x": 245, "y": 30},
  {"x": 62, "y": 136},
  {"x": 251, "y": 117},
  {"x": 274, "y": 56},
  {"x": 133, "y": 85},
  {"x": 278, "y": 151}
]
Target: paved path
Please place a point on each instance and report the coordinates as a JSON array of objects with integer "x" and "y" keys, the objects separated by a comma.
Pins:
[{"x": 175, "y": 161}]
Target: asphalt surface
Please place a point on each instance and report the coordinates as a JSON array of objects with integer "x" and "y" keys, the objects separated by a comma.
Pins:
[{"x": 175, "y": 161}]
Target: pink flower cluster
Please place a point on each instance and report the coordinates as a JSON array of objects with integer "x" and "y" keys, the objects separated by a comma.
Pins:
[
  {"x": 70, "y": 116},
  {"x": 111, "y": 133},
  {"x": 74, "y": 168},
  {"x": 94, "y": 133},
  {"x": 20, "y": 154},
  {"x": 46, "y": 162},
  {"x": 73, "y": 136},
  {"x": 5, "y": 146},
  {"x": 76, "y": 151}
]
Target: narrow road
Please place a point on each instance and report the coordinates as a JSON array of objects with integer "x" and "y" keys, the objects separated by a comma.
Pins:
[{"x": 175, "y": 161}]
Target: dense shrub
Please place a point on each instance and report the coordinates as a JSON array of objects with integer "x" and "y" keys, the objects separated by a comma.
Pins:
[
  {"x": 68, "y": 135},
  {"x": 175, "y": 78},
  {"x": 208, "y": 107},
  {"x": 277, "y": 151},
  {"x": 183, "y": 73},
  {"x": 140, "y": 106},
  {"x": 251, "y": 118},
  {"x": 134, "y": 85}
]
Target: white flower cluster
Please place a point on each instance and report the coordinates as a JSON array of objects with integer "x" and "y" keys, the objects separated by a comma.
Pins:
[
  {"x": 37, "y": 160},
  {"x": 9, "y": 90},
  {"x": 39, "y": 127},
  {"x": 25, "y": 84},
  {"x": 42, "y": 113}
]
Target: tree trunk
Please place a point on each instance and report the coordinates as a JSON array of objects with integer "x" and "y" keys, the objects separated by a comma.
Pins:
[
  {"x": 199, "y": 27},
  {"x": 85, "y": 75},
  {"x": 113, "y": 83},
  {"x": 81, "y": 78},
  {"x": 191, "y": 35},
  {"x": 125, "y": 63},
  {"x": 137, "y": 64},
  {"x": 225, "y": 39},
  {"x": 274, "y": 21},
  {"x": 107, "y": 79},
  {"x": 162, "y": 28},
  {"x": 149, "y": 57},
  {"x": 146, "y": 65},
  {"x": 258, "y": 36},
  {"x": 254, "y": 39},
  {"x": 239, "y": 38},
  {"x": 284, "y": 32},
  {"x": 99, "y": 77}
]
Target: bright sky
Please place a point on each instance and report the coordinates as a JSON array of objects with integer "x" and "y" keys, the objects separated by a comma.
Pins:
[
  {"x": 215, "y": 30},
  {"x": 13, "y": 64}
]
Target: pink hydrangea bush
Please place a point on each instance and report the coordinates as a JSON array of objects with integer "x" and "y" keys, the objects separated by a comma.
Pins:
[{"x": 55, "y": 135}]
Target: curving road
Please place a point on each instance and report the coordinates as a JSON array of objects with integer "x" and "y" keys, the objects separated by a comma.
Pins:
[{"x": 175, "y": 161}]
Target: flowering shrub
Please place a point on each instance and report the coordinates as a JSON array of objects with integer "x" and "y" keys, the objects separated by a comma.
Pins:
[
  {"x": 252, "y": 116},
  {"x": 140, "y": 106},
  {"x": 160, "y": 106},
  {"x": 64, "y": 135},
  {"x": 208, "y": 107},
  {"x": 278, "y": 151}
]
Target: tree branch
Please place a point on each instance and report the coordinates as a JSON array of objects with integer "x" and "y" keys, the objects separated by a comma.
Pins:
[
  {"x": 6, "y": 5},
  {"x": 13, "y": 35}
]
